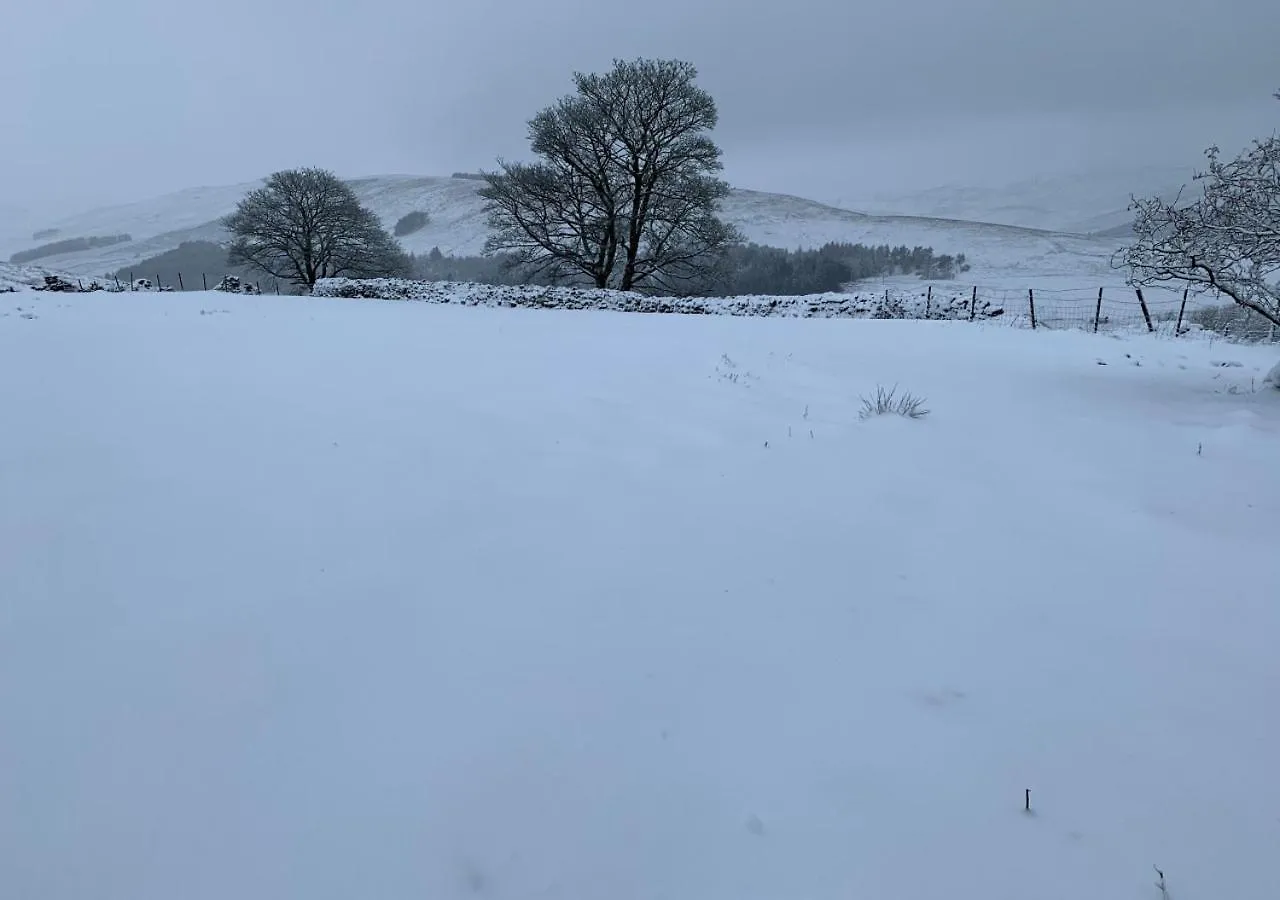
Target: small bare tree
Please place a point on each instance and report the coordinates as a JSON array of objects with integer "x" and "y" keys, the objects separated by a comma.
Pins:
[
  {"x": 307, "y": 224},
  {"x": 1227, "y": 241},
  {"x": 625, "y": 193}
]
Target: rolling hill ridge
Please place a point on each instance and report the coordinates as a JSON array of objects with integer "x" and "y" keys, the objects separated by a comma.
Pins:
[{"x": 458, "y": 226}]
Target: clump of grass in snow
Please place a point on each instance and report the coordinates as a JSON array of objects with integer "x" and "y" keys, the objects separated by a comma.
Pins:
[{"x": 888, "y": 402}]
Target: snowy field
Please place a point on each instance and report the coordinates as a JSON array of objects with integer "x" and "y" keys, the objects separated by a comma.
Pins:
[{"x": 324, "y": 599}]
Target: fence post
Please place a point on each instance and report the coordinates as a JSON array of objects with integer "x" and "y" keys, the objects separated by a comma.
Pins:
[
  {"x": 928, "y": 302},
  {"x": 973, "y": 304},
  {"x": 132, "y": 281},
  {"x": 204, "y": 279},
  {"x": 117, "y": 277},
  {"x": 1146, "y": 313},
  {"x": 1031, "y": 301},
  {"x": 181, "y": 286},
  {"x": 1097, "y": 313},
  {"x": 1181, "y": 311},
  {"x": 158, "y": 284}
]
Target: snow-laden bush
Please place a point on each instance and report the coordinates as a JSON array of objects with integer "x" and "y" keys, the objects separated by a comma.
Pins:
[
  {"x": 233, "y": 284},
  {"x": 58, "y": 284}
]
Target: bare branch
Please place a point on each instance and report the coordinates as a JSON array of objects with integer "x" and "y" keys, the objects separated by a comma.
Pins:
[{"x": 1227, "y": 241}]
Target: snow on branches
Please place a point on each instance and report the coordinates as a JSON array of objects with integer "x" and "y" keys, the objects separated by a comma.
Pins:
[{"x": 1227, "y": 241}]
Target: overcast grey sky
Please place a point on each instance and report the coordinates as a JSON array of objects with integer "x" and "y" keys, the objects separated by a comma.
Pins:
[{"x": 111, "y": 101}]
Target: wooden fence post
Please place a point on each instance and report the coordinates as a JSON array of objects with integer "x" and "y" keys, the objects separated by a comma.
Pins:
[
  {"x": 1031, "y": 301},
  {"x": 1097, "y": 313},
  {"x": 204, "y": 279},
  {"x": 132, "y": 281},
  {"x": 181, "y": 286},
  {"x": 973, "y": 304},
  {"x": 928, "y": 302},
  {"x": 1146, "y": 313},
  {"x": 1181, "y": 311}
]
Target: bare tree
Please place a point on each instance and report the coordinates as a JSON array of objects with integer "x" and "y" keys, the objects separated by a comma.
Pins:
[
  {"x": 307, "y": 224},
  {"x": 625, "y": 193},
  {"x": 1227, "y": 241}
]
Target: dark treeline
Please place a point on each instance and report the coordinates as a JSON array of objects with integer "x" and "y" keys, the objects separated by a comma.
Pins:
[
  {"x": 748, "y": 269},
  {"x": 70, "y": 245},
  {"x": 758, "y": 269},
  {"x": 411, "y": 222}
]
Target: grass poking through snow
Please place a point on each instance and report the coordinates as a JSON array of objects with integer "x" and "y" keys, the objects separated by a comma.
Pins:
[{"x": 889, "y": 402}]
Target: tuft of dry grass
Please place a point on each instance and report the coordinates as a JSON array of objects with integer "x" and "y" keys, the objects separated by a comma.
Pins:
[{"x": 887, "y": 401}]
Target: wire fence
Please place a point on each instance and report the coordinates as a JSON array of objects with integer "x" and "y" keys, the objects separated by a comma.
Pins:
[
  {"x": 177, "y": 282},
  {"x": 1101, "y": 309}
]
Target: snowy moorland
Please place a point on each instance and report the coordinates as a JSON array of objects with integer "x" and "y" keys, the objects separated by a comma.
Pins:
[
  {"x": 323, "y": 598},
  {"x": 458, "y": 226}
]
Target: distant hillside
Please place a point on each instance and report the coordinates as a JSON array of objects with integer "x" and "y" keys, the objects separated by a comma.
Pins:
[
  {"x": 1084, "y": 203},
  {"x": 66, "y": 246},
  {"x": 457, "y": 226}
]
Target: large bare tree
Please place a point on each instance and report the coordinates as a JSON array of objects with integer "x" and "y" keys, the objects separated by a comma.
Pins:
[
  {"x": 307, "y": 224},
  {"x": 625, "y": 193},
  {"x": 1225, "y": 241}
]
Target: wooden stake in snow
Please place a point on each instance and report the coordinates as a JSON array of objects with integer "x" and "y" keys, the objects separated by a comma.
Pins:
[
  {"x": 1031, "y": 301},
  {"x": 1146, "y": 313},
  {"x": 1097, "y": 313},
  {"x": 1181, "y": 311},
  {"x": 1028, "y": 807}
]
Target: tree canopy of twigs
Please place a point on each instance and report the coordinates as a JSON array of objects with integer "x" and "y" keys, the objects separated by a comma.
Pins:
[
  {"x": 625, "y": 192},
  {"x": 307, "y": 224},
  {"x": 1227, "y": 241}
]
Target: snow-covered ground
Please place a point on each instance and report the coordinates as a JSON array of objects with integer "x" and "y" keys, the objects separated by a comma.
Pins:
[
  {"x": 458, "y": 226},
  {"x": 319, "y": 598},
  {"x": 23, "y": 277}
]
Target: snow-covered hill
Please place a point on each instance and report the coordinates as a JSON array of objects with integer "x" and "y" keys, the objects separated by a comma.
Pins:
[
  {"x": 1087, "y": 202},
  {"x": 458, "y": 227},
  {"x": 316, "y": 598}
]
